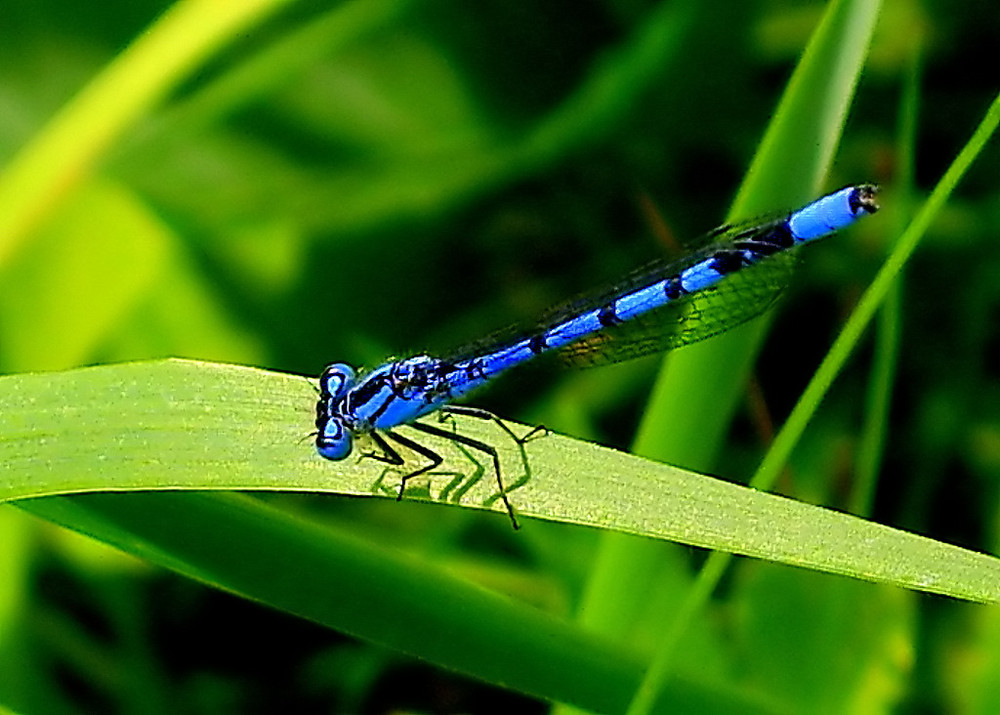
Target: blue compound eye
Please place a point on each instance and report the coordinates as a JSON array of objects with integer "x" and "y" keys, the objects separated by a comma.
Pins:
[
  {"x": 334, "y": 441},
  {"x": 336, "y": 380}
]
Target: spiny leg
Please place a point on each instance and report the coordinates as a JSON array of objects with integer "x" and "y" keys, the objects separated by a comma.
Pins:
[
  {"x": 392, "y": 457},
  {"x": 434, "y": 458},
  {"x": 449, "y": 411},
  {"x": 480, "y": 413},
  {"x": 462, "y": 482},
  {"x": 388, "y": 456},
  {"x": 475, "y": 444}
]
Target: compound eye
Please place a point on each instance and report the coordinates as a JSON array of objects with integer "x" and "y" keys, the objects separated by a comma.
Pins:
[
  {"x": 336, "y": 380},
  {"x": 334, "y": 441}
]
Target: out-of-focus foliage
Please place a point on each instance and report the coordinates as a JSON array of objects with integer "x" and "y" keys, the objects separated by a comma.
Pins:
[{"x": 348, "y": 181}]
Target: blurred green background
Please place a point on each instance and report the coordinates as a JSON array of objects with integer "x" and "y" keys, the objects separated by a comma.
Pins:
[{"x": 350, "y": 181}]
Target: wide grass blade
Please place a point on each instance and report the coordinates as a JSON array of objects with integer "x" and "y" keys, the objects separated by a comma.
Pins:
[{"x": 179, "y": 424}]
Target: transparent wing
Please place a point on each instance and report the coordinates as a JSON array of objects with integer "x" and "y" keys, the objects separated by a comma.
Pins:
[
  {"x": 688, "y": 319},
  {"x": 738, "y": 298}
]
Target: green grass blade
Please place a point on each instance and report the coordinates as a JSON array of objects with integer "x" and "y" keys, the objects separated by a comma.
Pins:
[
  {"x": 704, "y": 382},
  {"x": 180, "y": 424},
  {"x": 889, "y": 329},
  {"x": 777, "y": 456},
  {"x": 176, "y": 425},
  {"x": 398, "y": 600}
]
